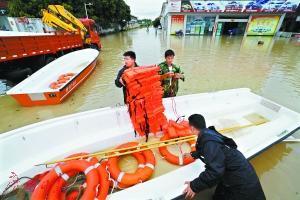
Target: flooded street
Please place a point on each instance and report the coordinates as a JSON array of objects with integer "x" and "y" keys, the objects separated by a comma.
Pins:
[{"x": 271, "y": 70}]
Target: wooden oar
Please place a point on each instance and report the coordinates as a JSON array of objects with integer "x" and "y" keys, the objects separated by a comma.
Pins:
[
  {"x": 129, "y": 150},
  {"x": 152, "y": 145},
  {"x": 291, "y": 140}
]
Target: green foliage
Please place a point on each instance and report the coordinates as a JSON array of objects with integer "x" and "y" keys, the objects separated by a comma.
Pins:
[
  {"x": 145, "y": 22},
  {"x": 106, "y": 13},
  {"x": 156, "y": 22}
]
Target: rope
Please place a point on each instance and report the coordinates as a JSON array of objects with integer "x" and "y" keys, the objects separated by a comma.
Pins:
[
  {"x": 115, "y": 183},
  {"x": 174, "y": 108},
  {"x": 72, "y": 184},
  {"x": 12, "y": 184}
]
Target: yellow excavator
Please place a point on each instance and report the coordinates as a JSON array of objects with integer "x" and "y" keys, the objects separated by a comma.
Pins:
[{"x": 59, "y": 18}]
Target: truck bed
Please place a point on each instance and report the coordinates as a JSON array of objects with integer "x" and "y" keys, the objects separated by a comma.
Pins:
[{"x": 14, "y": 45}]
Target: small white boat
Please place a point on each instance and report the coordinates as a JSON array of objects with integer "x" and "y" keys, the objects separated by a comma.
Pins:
[
  {"x": 57, "y": 80},
  {"x": 95, "y": 130}
]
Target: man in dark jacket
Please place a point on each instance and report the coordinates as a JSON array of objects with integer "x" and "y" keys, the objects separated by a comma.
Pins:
[
  {"x": 225, "y": 166},
  {"x": 129, "y": 61}
]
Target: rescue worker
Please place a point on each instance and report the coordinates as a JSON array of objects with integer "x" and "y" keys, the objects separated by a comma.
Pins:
[
  {"x": 129, "y": 61},
  {"x": 225, "y": 166},
  {"x": 171, "y": 73}
]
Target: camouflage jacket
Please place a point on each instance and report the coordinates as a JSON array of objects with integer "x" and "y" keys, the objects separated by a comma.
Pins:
[{"x": 170, "y": 85}]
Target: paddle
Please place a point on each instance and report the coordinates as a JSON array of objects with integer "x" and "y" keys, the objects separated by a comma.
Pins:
[
  {"x": 255, "y": 120},
  {"x": 291, "y": 140}
]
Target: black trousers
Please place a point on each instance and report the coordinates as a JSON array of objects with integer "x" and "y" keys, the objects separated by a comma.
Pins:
[{"x": 244, "y": 192}]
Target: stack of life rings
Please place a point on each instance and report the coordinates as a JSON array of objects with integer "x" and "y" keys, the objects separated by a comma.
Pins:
[
  {"x": 53, "y": 183},
  {"x": 99, "y": 176},
  {"x": 61, "y": 81},
  {"x": 176, "y": 130},
  {"x": 144, "y": 99}
]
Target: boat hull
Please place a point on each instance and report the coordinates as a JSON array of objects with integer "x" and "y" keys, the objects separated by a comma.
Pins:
[
  {"x": 57, "y": 80},
  {"x": 56, "y": 97},
  {"x": 109, "y": 127}
]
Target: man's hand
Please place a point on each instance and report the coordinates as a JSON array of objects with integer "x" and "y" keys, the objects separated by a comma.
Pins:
[
  {"x": 167, "y": 75},
  {"x": 121, "y": 81},
  {"x": 178, "y": 76},
  {"x": 188, "y": 191},
  {"x": 170, "y": 74},
  {"x": 187, "y": 155}
]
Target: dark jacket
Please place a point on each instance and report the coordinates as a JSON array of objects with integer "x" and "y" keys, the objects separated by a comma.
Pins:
[
  {"x": 118, "y": 84},
  {"x": 117, "y": 81},
  {"x": 224, "y": 164}
]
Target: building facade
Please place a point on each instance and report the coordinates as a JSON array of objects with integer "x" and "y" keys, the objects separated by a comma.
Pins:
[{"x": 211, "y": 17}]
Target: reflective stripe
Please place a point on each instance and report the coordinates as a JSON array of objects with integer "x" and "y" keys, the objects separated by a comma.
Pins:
[
  {"x": 96, "y": 165},
  {"x": 87, "y": 170},
  {"x": 58, "y": 171},
  {"x": 65, "y": 177},
  {"x": 120, "y": 176},
  {"x": 89, "y": 159},
  {"x": 150, "y": 165},
  {"x": 180, "y": 157},
  {"x": 97, "y": 188},
  {"x": 193, "y": 145},
  {"x": 141, "y": 166}
]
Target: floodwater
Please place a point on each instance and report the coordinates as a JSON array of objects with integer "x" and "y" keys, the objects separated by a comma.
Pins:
[{"x": 271, "y": 70}]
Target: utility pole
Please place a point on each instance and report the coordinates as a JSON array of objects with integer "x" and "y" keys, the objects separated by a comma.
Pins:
[{"x": 87, "y": 4}]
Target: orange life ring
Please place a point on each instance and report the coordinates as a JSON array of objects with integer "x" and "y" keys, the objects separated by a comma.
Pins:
[
  {"x": 73, "y": 195},
  {"x": 103, "y": 178},
  {"x": 146, "y": 161},
  {"x": 92, "y": 179},
  {"x": 70, "y": 74},
  {"x": 174, "y": 159},
  {"x": 61, "y": 76},
  {"x": 60, "y": 81},
  {"x": 56, "y": 190},
  {"x": 55, "y": 85}
]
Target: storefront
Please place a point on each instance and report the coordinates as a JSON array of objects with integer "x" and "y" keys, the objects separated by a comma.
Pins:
[
  {"x": 199, "y": 25},
  {"x": 256, "y": 17}
]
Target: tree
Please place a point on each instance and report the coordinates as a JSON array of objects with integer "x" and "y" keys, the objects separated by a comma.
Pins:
[
  {"x": 106, "y": 13},
  {"x": 156, "y": 22}
]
